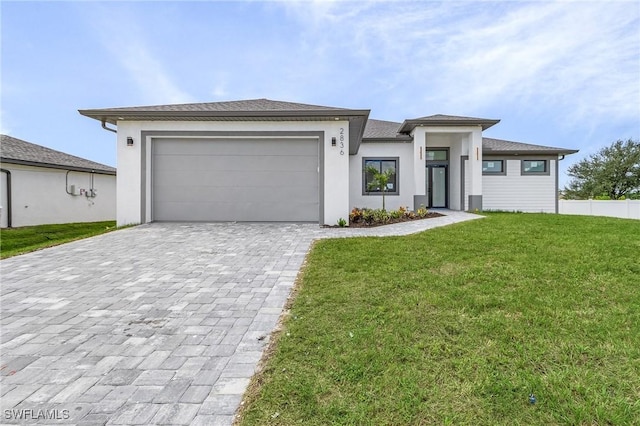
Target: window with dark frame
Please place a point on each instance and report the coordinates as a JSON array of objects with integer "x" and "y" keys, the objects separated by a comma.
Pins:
[
  {"x": 535, "y": 167},
  {"x": 490, "y": 167},
  {"x": 381, "y": 165}
]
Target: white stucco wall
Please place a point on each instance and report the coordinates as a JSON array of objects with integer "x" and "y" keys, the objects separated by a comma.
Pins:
[
  {"x": 458, "y": 146},
  {"x": 461, "y": 140},
  {"x": 130, "y": 194},
  {"x": 404, "y": 153},
  {"x": 517, "y": 192},
  {"x": 38, "y": 196}
]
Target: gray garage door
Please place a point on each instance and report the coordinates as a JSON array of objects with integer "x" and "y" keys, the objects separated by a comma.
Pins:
[{"x": 235, "y": 180}]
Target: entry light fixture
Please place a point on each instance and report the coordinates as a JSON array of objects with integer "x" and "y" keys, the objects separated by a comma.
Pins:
[
  {"x": 129, "y": 141},
  {"x": 333, "y": 141}
]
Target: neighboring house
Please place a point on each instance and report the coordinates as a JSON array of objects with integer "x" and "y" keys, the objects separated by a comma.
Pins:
[
  {"x": 43, "y": 186},
  {"x": 264, "y": 160}
]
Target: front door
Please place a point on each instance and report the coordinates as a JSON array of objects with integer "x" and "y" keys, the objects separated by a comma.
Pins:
[{"x": 438, "y": 185}]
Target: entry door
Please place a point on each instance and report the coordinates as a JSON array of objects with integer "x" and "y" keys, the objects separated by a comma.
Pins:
[{"x": 438, "y": 186}]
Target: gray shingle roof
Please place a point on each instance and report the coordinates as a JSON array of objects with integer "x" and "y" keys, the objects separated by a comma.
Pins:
[
  {"x": 230, "y": 106},
  {"x": 17, "y": 151},
  {"x": 446, "y": 120},
  {"x": 387, "y": 130},
  {"x": 444, "y": 117},
  {"x": 499, "y": 146},
  {"x": 244, "y": 110},
  {"x": 381, "y": 129}
]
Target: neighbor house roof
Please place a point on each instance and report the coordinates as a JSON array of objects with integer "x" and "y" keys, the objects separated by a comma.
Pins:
[
  {"x": 250, "y": 109},
  {"x": 17, "y": 151},
  {"x": 446, "y": 120},
  {"x": 499, "y": 146}
]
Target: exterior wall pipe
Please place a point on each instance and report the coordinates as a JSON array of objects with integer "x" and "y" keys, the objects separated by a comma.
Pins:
[{"x": 8, "y": 196}]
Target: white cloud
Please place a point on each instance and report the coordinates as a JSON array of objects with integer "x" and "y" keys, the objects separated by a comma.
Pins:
[
  {"x": 459, "y": 57},
  {"x": 122, "y": 36}
]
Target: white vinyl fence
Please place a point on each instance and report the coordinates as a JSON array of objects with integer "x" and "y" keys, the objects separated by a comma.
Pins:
[{"x": 626, "y": 209}]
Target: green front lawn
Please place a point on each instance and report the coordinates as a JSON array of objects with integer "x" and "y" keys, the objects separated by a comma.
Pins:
[
  {"x": 458, "y": 325},
  {"x": 14, "y": 241}
]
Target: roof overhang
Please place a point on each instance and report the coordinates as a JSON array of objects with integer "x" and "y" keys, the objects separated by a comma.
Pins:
[
  {"x": 357, "y": 118},
  {"x": 408, "y": 125},
  {"x": 397, "y": 139},
  {"x": 57, "y": 166},
  {"x": 529, "y": 153}
]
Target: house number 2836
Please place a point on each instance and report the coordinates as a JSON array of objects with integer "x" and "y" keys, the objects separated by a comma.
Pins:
[{"x": 341, "y": 140}]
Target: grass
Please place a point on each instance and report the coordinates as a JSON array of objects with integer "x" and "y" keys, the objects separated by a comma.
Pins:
[
  {"x": 458, "y": 325},
  {"x": 14, "y": 241}
]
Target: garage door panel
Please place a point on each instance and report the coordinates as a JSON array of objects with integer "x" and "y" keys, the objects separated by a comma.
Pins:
[
  {"x": 232, "y": 146},
  {"x": 235, "y": 212},
  {"x": 228, "y": 194},
  {"x": 205, "y": 163},
  {"x": 235, "y": 180}
]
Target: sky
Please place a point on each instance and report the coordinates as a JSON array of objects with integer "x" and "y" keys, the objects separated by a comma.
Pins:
[{"x": 563, "y": 73}]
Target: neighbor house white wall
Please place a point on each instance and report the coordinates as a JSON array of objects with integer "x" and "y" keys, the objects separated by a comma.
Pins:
[
  {"x": 517, "y": 192},
  {"x": 130, "y": 163},
  {"x": 406, "y": 184},
  {"x": 38, "y": 196},
  {"x": 3, "y": 201}
]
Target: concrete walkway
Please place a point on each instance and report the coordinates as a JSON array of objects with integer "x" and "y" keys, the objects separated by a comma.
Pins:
[{"x": 156, "y": 324}]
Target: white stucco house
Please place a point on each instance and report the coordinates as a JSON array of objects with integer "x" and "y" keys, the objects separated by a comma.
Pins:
[
  {"x": 42, "y": 186},
  {"x": 265, "y": 160}
]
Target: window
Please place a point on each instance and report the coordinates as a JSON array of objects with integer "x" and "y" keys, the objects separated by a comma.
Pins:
[
  {"x": 535, "y": 167},
  {"x": 381, "y": 165},
  {"x": 493, "y": 167},
  {"x": 437, "y": 155}
]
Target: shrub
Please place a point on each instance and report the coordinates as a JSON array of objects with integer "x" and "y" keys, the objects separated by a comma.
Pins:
[
  {"x": 342, "y": 223},
  {"x": 368, "y": 216},
  {"x": 380, "y": 216},
  {"x": 422, "y": 212},
  {"x": 356, "y": 215},
  {"x": 396, "y": 214}
]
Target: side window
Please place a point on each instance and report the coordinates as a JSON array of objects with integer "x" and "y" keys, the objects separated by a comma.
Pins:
[
  {"x": 381, "y": 165},
  {"x": 493, "y": 167},
  {"x": 535, "y": 167}
]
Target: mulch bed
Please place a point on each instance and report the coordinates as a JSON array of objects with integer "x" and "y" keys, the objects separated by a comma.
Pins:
[{"x": 361, "y": 224}]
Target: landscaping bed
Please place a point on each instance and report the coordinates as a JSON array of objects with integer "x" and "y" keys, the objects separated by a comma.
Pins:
[{"x": 369, "y": 218}]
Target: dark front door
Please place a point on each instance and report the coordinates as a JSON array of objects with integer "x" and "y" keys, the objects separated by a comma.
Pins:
[{"x": 438, "y": 185}]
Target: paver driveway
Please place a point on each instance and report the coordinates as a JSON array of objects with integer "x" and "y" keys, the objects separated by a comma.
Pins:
[{"x": 157, "y": 324}]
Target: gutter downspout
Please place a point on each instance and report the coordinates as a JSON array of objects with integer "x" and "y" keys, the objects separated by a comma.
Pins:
[
  {"x": 104, "y": 126},
  {"x": 9, "y": 215}
]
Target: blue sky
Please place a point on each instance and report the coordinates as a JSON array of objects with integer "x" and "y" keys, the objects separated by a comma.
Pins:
[{"x": 556, "y": 73}]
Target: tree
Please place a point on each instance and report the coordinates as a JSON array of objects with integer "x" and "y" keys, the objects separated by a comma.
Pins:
[
  {"x": 612, "y": 172},
  {"x": 379, "y": 180}
]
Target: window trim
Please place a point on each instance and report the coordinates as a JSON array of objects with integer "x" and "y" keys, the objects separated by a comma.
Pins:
[
  {"x": 501, "y": 173},
  {"x": 547, "y": 167},
  {"x": 364, "y": 175}
]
